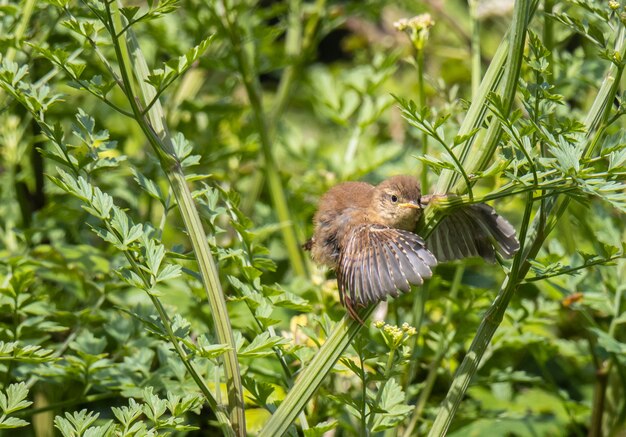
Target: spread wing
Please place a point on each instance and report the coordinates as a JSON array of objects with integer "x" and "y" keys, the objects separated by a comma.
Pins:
[
  {"x": 473, "y": 230},
  {"x": 377, "y": 261}
]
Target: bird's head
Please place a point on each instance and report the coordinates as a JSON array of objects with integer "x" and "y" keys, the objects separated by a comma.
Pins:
[{"x": 396, "y": 202}]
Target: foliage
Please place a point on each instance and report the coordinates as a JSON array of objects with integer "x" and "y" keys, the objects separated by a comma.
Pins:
[{"x": 161, "y": 163}]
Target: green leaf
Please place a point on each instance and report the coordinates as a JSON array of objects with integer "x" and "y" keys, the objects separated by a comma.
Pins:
[
  {"x": 12, "y": 422},
  {"x": 567, "y": 156},
  {"x": 25, "y": 353},
  {"x": 262, "y": 346},
  {"x": 129, "y": 12},
  {"x": 148, "y": 186},
  {"x": 206, "y": 349},
  {"x": 132, "y": 279},
  {"x": 127, "y": 415},
  {"x": 154, "y": 406},
  {"x": 75, "y": 424},
  {"x": 170, "y": 271},
  {"x": 392, "y": 403},
  {"x": 321, "y": 428},
  {"x": 608, "y": 343},
  {"x": 14, "y": 398}
]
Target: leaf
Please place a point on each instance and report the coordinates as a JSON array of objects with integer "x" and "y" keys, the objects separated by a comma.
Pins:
[
  {"x": 75, "y": 424},
  {"x": 170, "y": 271},
  {"x": 608, "y": 343},
  {"x": 262, "y": 346},
  {"x": 14, "y": 398},
  {"x": 321, "y": 428},
  {"x": 584, "y": 28},
  {"x": 154, "y": 406},
  {"x": 206, "y": 349},
  {"x": 567, "y": 156},
  {"x": 436, "y": 164},
  {"x": 132, "y": 279},
  {"x": 25, "y": 353},
  {"x": 148, "y": 186},
  {"x": 12, "y": 422},
  {"x": 127, "y": 415},
  {"x": 392, "y": 403},
  {"x": 129, "y": 12}
]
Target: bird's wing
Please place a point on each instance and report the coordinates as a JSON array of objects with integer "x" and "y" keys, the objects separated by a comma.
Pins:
[
  {"x": 473, "y": 230},
  {"x": 376, "y": 261}
]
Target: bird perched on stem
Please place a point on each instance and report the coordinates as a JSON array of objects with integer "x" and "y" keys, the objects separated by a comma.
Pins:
[{"x": 367, "y": 234}]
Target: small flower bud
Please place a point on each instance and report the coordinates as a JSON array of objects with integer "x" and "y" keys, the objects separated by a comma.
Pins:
[{"x": 417, "y": 28}]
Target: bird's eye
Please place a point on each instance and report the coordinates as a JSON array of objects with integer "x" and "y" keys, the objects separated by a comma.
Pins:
[{"x": 394, "y": 198}]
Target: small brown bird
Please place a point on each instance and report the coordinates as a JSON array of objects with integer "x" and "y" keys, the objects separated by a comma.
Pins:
[{"x": 366, "y": 233}]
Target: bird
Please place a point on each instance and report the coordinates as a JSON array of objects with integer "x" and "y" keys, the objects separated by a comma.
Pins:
[{"x": 367, "y": 234}]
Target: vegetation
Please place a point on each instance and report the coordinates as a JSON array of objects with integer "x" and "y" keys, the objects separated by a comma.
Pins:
[{"x": 161, "y": 163}]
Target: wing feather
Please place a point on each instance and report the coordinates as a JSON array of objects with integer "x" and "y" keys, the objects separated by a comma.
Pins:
[
  {"x": 473, "y": 230},
  {"x": 377, "y": 261}
]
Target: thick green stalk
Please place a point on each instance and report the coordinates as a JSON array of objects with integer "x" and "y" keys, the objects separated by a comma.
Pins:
[
  {"x": 479, "y": 149},
  {"x": 313, "y": 375},
  {"x": 545, "y": 219},
  {"x": 160, "y": 139}
]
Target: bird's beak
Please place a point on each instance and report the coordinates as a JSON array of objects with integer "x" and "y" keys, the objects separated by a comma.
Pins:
[{"x": 412, "y": 204}]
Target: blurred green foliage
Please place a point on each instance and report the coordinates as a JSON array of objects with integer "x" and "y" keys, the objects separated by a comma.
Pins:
[{"x": 103, "y": 319}]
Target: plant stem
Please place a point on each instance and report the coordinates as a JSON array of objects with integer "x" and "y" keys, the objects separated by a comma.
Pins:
[
  {"x": 567, "y": 271},
  {"x": 442, "y": 348},
  {"x": 381, "y": 387},
  {"x": 245, "y": 60},
  {"x": 419, "y": 305},
  {"x": 297, "y": 48},
  {"x": 548, "y": 34},
  {"x": 475, "y": 47},
  {"x": 419, "y": 61},
  {"x": 159, "y": 138},
  {"x": 363, "y": 395},
  {"x": 313, "y": 375}
]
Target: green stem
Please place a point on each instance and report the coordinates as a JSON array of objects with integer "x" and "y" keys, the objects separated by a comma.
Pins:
[
  {"x": 599, "y": 397},
  {"x": 419, "y": 305},
  {"x": 435, "y": 364},
  {"x": 159, "y": 138},
  {"x": 66, "y": 404},
  {"x": 381, "y": 388},
  {"x": 574, "y": 269},
  {"x": 548, "y": 35},
  {"x": 313, "y": 375},
  {"x": 475, "y": 47},
  {"x": 297, "y": 47},
  {"x": 363, "y": 396},
  {"x": 503, "y": 69},
  {"x": 419, "y": 60},
  {"x": 167, "y": 324},
  {"x": 252, "y": 85}
]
